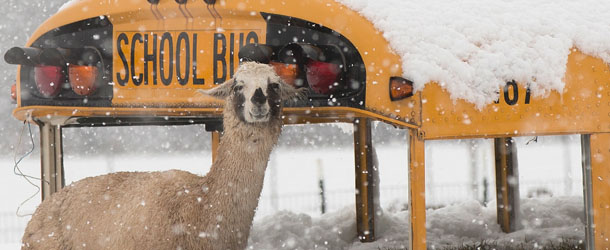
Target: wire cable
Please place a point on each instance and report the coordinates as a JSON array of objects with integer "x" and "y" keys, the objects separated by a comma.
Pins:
[{"x": 17, "y": 171}]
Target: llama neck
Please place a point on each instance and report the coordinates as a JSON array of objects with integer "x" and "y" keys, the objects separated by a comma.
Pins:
[
  {"x": 237, "y": 174},
  {"x": 243, "y": 153},
  {"x": 242, "y": 160}
]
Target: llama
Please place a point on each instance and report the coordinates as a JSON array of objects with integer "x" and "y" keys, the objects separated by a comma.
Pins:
[{"x": 176, "y": 209}]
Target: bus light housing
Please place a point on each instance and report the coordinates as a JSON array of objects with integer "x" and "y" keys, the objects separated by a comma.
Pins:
[
  {"x": 400, "y": 88},
  {"x": 69, "y": 65},
  {"x": 321, "y": 66},
  {"x": 23, "y": 56},
  {"x": 255, "y": 52},
  {"x": 311, "y": 57}
]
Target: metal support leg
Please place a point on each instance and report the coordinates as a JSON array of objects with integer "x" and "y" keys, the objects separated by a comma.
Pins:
[
  {"x": 52, "y": 165},
  {"x": 417, "y": 191},
  {"x": 366, "y": 182},
  {"x": 215, "y": 142},
  {"x": 507, "y": 184},
  {"x": 596, "y": 188}
]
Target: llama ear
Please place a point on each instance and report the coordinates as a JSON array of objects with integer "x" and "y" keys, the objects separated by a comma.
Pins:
[
  {"x": 222, "y": 91},
  {"x": 287, "y": 92}
]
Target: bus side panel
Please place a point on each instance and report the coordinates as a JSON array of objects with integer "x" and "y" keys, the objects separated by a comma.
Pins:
[
  {"x": 162, "y": 62},
  {"x": 583, "y": 107}
]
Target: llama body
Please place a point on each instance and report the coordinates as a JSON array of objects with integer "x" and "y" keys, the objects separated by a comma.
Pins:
[{"x": 176, "y": 209}]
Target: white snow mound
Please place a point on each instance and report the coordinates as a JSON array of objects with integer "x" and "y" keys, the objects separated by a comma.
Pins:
[
  {"x": 472, "y": 47},
  {"x": 544, "y": 221}
]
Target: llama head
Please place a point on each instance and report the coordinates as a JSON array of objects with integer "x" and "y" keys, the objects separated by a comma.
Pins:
[{"x": 255, "y": 93}]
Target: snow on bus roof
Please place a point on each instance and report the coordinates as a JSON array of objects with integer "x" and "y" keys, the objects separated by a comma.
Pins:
[
  {"x": 67, "y": 4},
  {"x": 472, "y": 47}
]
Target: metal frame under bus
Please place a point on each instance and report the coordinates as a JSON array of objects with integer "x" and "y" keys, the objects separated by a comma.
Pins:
[{"x": 110, "y": 60}]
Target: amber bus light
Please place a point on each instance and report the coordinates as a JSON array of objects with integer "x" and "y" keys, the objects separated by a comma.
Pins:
[
  {"x": 14, "y": 92},
  {"x": 82, "y": 79},
  {"x": 288, "y": 72},
  {"x": 400, "y": 88}
]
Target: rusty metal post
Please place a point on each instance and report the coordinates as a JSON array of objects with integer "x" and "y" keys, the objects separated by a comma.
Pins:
[
  {"x": 366, "y": 180},
  {"x": 51, "y": 159},
  {"x": 215, "y": 142},
  {"x": 417, "y": 190},
  {"x": 507, "y": 184},
  {"x": 596, "y": 189}
]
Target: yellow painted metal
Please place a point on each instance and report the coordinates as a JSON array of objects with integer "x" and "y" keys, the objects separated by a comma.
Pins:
[
  {"x": 49, "y": 112},
  {"x": 584, "y": 106},
  {"x": 291, "y": 115},
  {"x": 417, "y": 190},
  {"x": 18, "y": 89},
  {"x": 365, "y": 182},
  {"x": 600, "y": 173},
  {"x": 215, "y": 143},
  {"x": 196, "y": 39}
]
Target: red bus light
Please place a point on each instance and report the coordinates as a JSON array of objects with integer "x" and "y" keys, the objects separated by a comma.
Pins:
[
  {"x": 49, "y": 79},
  {"x": 322, "y": 77},
  {"x": 82, "y": 79}
]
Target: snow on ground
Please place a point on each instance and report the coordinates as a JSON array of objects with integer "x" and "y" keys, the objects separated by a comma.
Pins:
[
  {"x": 544, "y": 220},
  {"x": 471, "y": 47}
]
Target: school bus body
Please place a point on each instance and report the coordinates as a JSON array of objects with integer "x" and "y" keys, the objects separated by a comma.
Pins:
[
  {"x": 242, "y": 23},
  {"x": 438, "y": 116}
]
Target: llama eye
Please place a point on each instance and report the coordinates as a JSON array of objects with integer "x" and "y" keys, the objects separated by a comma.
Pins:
[
  {"x": 275, "y": 86},
  {"x": 238, "y": 88}
]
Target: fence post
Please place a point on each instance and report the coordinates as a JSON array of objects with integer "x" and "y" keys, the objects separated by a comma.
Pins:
[
  {"x": 321, "y": 187},
  {"x": 485, "y": 191}
]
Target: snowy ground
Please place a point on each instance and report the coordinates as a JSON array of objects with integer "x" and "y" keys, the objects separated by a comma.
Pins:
[
  {"x": 544, "y": 219},
  {"x": 289, "y": 216}
]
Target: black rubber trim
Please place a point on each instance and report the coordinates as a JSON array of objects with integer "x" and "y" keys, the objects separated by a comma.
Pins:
[{"x": 212, "y": 123}]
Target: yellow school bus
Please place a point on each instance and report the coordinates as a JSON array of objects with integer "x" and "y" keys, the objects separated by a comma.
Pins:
[{"x": 138, "y": 62}]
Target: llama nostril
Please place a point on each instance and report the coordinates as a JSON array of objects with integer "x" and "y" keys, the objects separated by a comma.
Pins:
[{"x": 258, "y": 97}]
